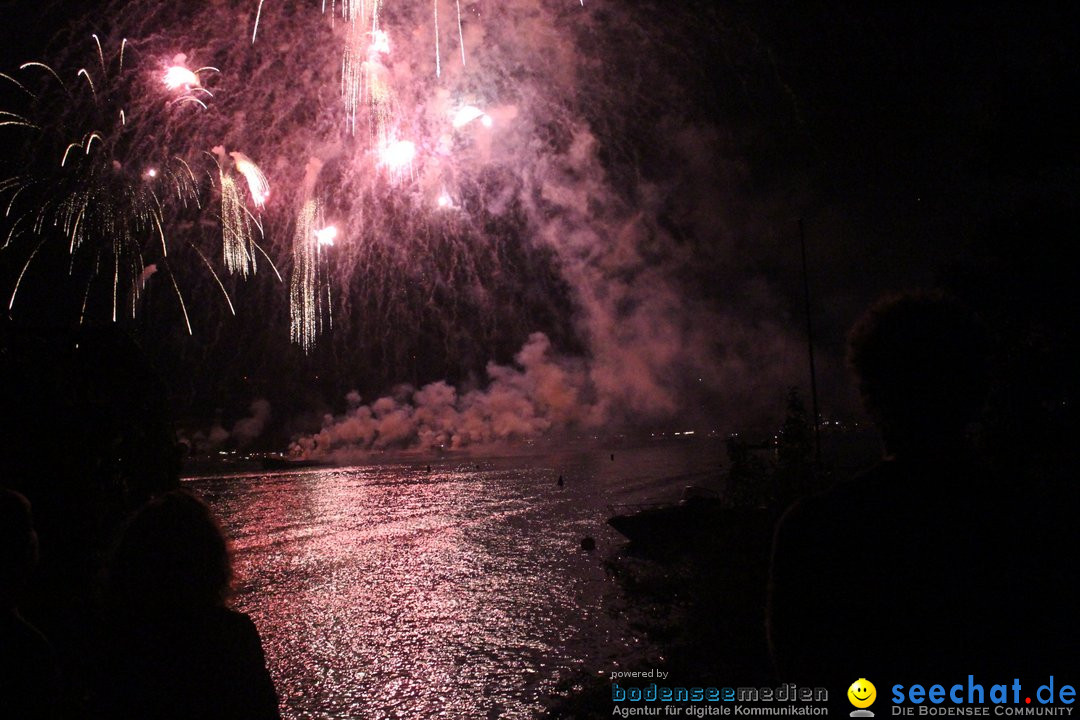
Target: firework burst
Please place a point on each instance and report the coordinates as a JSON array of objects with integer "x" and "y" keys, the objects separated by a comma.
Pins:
[
  {"x": 256, "y": 181},
  {"x": 309, "y": 287},
  {"x": 238, "y": 245},
  {"x": 88, "y": 182},
  {"x": 129, "y": 183}
]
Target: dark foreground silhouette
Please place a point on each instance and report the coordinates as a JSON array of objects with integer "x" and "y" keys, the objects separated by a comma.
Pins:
[
  {"x": 172, "y": 648},
  {"x": 927, "y": 566},
  {"x": 29, "y": 677}
]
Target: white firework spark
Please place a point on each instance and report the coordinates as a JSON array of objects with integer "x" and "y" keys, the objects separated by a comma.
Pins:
[
  {"x": 461, "y": 35},
  {"x": 326, "y": 235},
  {"x": 438, "y": 62},
  {"x": 464, "y": 115},
  {"x": 257, "y": 183},
  {"x": 238, "y": 245},
  {"x": 308, "y": 308},
  {"x": 178, "y": 76},
  {"x": 397, "y": 158}
]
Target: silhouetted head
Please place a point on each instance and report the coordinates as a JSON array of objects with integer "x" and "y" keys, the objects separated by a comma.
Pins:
[
  {"x": 920, "y": 361},
  {"x": 172, "y": 554},
  {"x": 18, "y": 545}
]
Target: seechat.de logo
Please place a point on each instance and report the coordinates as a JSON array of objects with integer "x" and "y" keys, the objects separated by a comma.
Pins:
[{"x": 862, "y": 694}]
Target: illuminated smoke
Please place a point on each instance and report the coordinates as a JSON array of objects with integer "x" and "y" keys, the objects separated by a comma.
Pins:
[
  {"x": 534, "y": 144},
  {"x": 538, "y": 393},
  {"x": 248, "y": 429},
  {"x": 244, "y": 432}
]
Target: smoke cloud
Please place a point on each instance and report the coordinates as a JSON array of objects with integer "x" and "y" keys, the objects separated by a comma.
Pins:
[
  {"x": 593, "y": 255},
  {"x": 245, "y": 431},
  {"x": 660, "y": 341},
  {"x": 250, "y": 428},
  {"x": 539, "y": 393}
]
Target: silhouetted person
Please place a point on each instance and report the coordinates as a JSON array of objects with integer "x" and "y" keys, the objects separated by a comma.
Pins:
[
  {"x": 561, "y": 482},
  {"x": 175, "y": 650},
  {"x": 905, "y": 570},
  {"x": 28, "y": 670}
]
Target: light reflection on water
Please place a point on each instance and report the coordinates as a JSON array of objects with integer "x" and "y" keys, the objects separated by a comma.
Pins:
[{"x": 388, "y": 591}]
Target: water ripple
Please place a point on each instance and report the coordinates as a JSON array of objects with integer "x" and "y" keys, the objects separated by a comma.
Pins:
[{"x": 393, "y": 592}]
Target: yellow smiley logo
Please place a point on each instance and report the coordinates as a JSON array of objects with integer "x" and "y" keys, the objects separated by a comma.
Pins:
[{"x": 862, "y": 693}]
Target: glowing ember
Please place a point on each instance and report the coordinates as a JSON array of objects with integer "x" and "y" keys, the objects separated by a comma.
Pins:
[
  {"x": 380, "y": 44},
  {"x": 238, "y": 243},
  {"x": 449, "y": 195},
  {"x": 257, "y": 183},
  {"x": 398, "y": 156},
  {"x": 326, "y": 235},
  {"x": 178, "y": 76},
  {"x": 309, "y": 290},
  {"x": 465, "y": 115}
]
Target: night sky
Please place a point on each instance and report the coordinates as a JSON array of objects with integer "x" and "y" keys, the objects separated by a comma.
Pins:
[{"x": 920, "y": 147}]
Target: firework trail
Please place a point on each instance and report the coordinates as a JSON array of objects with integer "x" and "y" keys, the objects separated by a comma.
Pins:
[
  {"x": 368, "y": 79},
  {"x": 362, "y": 50},
  {"x": 238, "y": 243},
  {"x": 483, "y": 204},
  {"x": 309, "y": 285},
  {"x": 461, "y": 35},
  {"x": 308, "y": 292},
  {"x": 520, "y": 248},
  {"x": 179, "y": 78},
  {"x": 255, "y": 27},
  {"x": 352, "y": 74},
  {"x": 256, "y": 181},
  {"x": 105, "y": 195},
  {"x": 438, "y": 62}
]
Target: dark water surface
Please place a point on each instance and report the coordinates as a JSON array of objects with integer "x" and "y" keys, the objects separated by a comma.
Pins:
[{"x": 387, "y": 591}]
